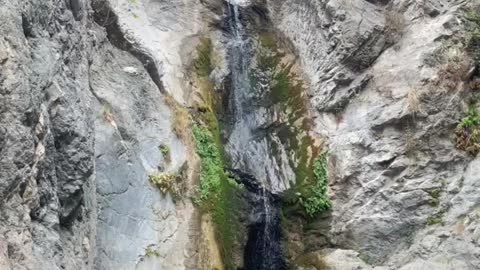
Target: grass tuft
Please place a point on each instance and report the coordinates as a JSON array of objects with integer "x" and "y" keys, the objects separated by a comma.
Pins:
[{"x": 166, "y": 183}]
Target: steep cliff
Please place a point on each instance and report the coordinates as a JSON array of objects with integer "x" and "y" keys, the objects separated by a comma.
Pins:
[
  {"x": 402, "y": 193},
  {"x": 124, "y": 122},
  {"x": 84, "y": 123}
]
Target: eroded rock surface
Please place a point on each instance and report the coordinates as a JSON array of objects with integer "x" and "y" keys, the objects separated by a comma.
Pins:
[
  {"x": 82, "y": 122},
  {"x": 388, "y": 155}
]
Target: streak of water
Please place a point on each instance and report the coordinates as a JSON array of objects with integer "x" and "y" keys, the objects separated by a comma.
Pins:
[{"x": 263, "y": 250}]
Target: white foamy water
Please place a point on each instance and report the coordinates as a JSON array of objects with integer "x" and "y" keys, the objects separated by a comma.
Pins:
[{"x": 242, "y": 3}]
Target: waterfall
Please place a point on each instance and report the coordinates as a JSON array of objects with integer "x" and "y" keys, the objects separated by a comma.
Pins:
[{"x": 263, "y": 249}]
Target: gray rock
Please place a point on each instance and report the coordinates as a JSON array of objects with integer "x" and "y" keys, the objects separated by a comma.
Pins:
[{"x": 387, "y": 154}]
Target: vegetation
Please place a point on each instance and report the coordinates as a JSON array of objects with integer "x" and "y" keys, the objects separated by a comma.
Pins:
[
  {"x": 107, "y": 113},
  {"x": 165, "y": 182},
  {"x": 315, "y": 199},
  {"x": 287, "y": 92},
  {"x": 211, "y": 172},
  {"x": 203, "y": 64},
  {"x": 180, "y": 117},
  {"x": 472, "y": 17},
  {"x": 468, "y": 131},
  {"x": 216, "y": 192},
  {"x": 435, "y": 219},
  {"x": 165, "y": 150},
  {"x": 434, "y": 196},
  {"x": 455, "y": 66},
  {"x": 413, "y": 101},
  {"x": 151, "y": 252},
  {"x": 285, "y": 86},
  {"x": 394, "y": 26}
]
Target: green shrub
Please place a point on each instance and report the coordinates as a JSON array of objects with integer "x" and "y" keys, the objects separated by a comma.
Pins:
[
  {"x": 471, "y": 120},
  {"x": 315, "y": 199},
  {"x": 216, "y": 192},
  {"x": 211, "y": 171}
]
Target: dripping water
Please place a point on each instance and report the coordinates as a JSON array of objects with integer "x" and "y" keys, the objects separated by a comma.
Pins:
[{"x": 263, "y": 248}]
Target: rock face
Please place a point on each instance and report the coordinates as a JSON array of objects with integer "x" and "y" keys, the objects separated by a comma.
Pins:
[
  {"x": 85, "y": 111},
  {"x": 82, "y": 122},
  {"x": 47, "y": 146},
  {"x": 390, "y": 131}
]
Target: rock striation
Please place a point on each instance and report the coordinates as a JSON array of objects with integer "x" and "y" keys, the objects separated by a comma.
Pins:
[
  {"x": 89, "y": 92},
  {"x": 390, "y": 131}
]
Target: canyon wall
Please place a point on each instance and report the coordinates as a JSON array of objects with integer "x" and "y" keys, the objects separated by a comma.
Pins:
[
  {"x": 402, "y": 193},
  {"x": 92, "y": 95}
]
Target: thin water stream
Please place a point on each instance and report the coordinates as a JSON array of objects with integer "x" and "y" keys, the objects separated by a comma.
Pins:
[{"x": 247, "y": 152}]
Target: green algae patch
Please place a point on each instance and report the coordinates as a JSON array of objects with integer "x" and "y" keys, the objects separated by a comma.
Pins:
[
  {"x": 217, "y": 194},
  {"x": 287, "y": 92}
]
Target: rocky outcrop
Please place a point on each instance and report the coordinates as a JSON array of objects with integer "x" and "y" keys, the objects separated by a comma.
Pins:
[
  {"x": 86, "y": 117},
  {"x": 83, "y": 120},
  {"x": 47, "y": 157},
  {"x": 390, "y": 130}
]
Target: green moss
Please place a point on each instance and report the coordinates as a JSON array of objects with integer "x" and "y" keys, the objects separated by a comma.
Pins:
[
  {"x": 435, "y": 194},
  {"x": 165, "y": 150},
  {"x": 287, "y": 93},
  {"x": 203, "y": 64},
  {"x": 151, "y": 252},
  {"x": 472, "y": 27},
  {"x": 435, "y": 219},
  {"x": 217, "y": 192},
  {"x": 268, "y": 40}
]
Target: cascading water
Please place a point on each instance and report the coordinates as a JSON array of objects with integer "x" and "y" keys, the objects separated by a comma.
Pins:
[{"x": 248, "y": 152}]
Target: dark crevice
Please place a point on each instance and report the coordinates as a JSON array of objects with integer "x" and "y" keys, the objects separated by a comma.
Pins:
[{"x": 27, "y": 27}]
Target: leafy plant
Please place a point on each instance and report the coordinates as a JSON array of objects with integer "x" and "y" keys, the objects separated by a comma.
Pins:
[
  {"x": 316, "y": 199},
  {"x": 216, "y": 192},
  {"x": 468, "y": 131},
  {"x": 472, "y": 118},
  {"x": 211, "y": 171}
]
